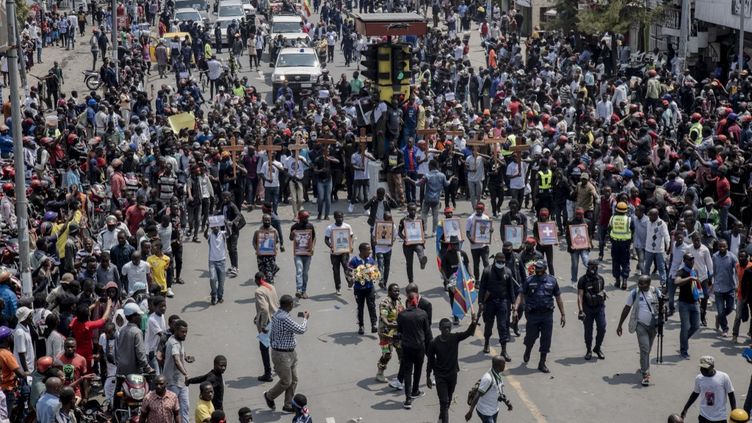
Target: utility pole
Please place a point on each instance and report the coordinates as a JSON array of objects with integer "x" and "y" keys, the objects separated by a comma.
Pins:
[
  {"x": 18, "y": 151},
  {"x": 114, "y": 35},
  {"x": 683, "y": 36},
  {"x": 740, "y": 63}
]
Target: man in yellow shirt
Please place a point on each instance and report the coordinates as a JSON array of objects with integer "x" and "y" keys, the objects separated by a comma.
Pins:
[
  {"x": 159, "y": 263},
  {"x": 205, "y": 408}
]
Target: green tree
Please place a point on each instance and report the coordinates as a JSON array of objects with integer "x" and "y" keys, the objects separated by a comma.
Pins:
[
  {"x": 22, "y": 12},
  {"x": 566, "y": 16}
]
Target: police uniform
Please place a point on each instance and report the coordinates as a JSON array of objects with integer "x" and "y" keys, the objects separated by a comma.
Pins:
[
  {"x": 544, "y": 196},
  {"x": 594, "y": 307},
  {"x": 497, "y": 290},
  {"x": 621, "y": 227},
  {"x": 540, "y": 291}
]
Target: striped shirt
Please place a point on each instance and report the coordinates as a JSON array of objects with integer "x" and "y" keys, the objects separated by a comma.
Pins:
[{"x": 282, "y": 335}]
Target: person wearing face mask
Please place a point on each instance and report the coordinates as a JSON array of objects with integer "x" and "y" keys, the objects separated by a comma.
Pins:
[
  {"x": 265, "y": 241},
  {"x": 450, "y": 263},
  {"x": 538, "y": 293},
  {"x": 591, "y": 302},
  {"x": 338, "y": 259},
  {"x": 642, "y": 309},
  {"x": 513, "y": 217},
  {"x": 497, "y": 290}
]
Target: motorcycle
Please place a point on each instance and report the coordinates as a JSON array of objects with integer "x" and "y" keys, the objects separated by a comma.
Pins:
[
  {"x": 92, "y": 80},
  {"x": 131, "y": 394}
]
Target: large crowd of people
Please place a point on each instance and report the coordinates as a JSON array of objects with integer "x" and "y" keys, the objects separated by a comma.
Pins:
[{"x": 567, "y": 148}]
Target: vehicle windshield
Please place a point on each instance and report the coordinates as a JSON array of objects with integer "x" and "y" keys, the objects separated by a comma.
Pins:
[
  {"x": 286, "y": 27},
  {"x": 190, "y": 4},
  {"x": 224, "y": 24},
  {"x": 230, "y": 10},
  {"x": 188, "y": 16},
  {"x": 296, "y": 60}
]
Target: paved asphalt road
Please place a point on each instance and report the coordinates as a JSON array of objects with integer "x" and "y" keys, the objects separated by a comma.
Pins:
[{"x": 337, "y": 366}]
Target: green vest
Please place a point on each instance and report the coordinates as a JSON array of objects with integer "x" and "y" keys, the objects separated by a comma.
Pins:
[
  {"x": 545, "y": 178},
  {"x": 620, "y": 228},
  {"x": 505, "y": 151},
  {"x": 697, "y": 128}
]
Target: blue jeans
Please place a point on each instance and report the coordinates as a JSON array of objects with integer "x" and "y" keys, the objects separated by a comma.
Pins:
[
  {"x": 217, "y": 278},
  {"x": 724, "y": 305},
  {"x": 689, "y": 313},
  {"x": 723, "y": 214},
  {"x": 384, "y": 261},
  {"x": 302, "y": 264},
  {"x": 185, "y": 407},
  {"x": 271, "y": 195},
  {"x": 671, "y": 294},
  {"x": 487, "y": 419},
  {"x": 660, "y": 263},
  {"x": 324, "y": 196},
  {"x": 575, "y": 256}
]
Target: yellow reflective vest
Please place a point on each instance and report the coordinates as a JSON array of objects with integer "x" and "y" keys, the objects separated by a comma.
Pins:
[
  {"x": 545, "y": 179},
  {"x": 620, "y": 227}
]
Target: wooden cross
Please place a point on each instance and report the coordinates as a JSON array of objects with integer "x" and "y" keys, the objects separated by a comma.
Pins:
[
  {"x": 426, "y": 132},
  {"x": 234, "y": 149},
  {"x": 362, "y": 141},
  {"x": 270, "y": 148},
  {"x": 477, "y": 143},
  {"x": 493, "y": 141},
  {"x": 454, "y": 133}
]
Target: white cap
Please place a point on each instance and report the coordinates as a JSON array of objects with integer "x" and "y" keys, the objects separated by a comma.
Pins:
[{"x": 132, "y": 308}]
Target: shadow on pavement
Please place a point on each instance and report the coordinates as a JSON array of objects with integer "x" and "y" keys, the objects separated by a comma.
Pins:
[
  {"x": 350, "y": 338},
  {"x": 624, "y": 379},
  {"x": 379, "y": 388},
  {"x": 244, "y": 301},
  {"x": 200, "y": 305},
  {"x": 268, "y": 416},
  {"x": 388, "y": 405},
  {"x": 524, "y": 369},
  {"x": 328, "y": 297},
  {"x": 476, "y": 358},
  {"x": 244, "y": 382},
  {"x": 577, "y": 360}
]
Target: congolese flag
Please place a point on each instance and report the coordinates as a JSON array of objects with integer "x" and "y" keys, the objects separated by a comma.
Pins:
[{"x": 465, "y": 294}]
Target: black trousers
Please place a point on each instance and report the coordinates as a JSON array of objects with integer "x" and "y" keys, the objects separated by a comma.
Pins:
[
  {"x": 339, "y": 260},
  {"x": 232, "y": 248},
  {"x": 595, "y": 315},
  {"x": 409, "y": 251},
  {"x": 265, "y": 358},
  {"x": 497, "y": 197},
  {"x": 363, "y": 297},
  {"x": 445, "y": 385},
  {"x": 496, "y": 309},
  {"x": 412, "y": 364},
  {"x": 479, "y": 254}
]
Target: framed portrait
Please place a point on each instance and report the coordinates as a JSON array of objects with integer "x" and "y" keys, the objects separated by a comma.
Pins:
[
  {"x": 514, "y": 234},
  {"x": 579, "y": 237},
  {"x": 547, "y": 233},
  {"x": 414, "y": 232},
  {"x": 384, "y": 233},
  {"x": 452, "y": 228},
  {"x": 341, "y": 241},
  {"x": 266, "y": 243},
  {"x": 481, "y": 231},
  {"x": 303, "y": 242}
]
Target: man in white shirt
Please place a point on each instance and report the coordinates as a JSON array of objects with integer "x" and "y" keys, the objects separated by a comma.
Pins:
[
  {"x": 516, "y": 175},
  {"x": 604, "y": 108},
  {"x": 359, "y": 161},
  {"x": 217, "y": 255},
  {"x": 475, "y": 164},
  {"x": 107, "y": 238},
  {"x": 704, "y": 268},
  {"x": 270, "y": 175},
  {"x": 338, "y": 258},
  {"x": 214, "y": 69},
  {"x": 490, "y": 392},
  {"x": 712, "y": 387},
  {"x": 295, "y": 167},
  {"x": 657, "y": 244},
  {"x": 23, "y": 347},
  {"x": 136, "y": 273},
  {"x": 479, "y": 250},
  {"x": 155, "y": 327}
]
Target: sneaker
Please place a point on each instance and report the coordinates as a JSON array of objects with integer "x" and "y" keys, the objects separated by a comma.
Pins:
[
  {"x": 645, "y": 380},
  {"x": 374, "y": 329},
  {"x": 408, "y": 404},
  {"x": 298, "y": 294},
  {"x": 684, "y": 356},
  {"x": 170, "y": 294},
  {"x": 338, "y": 293},
  {"x": 213, "y": 300},
  {"x": 396, "y": 384},
  {"x": 724, "y": 334},
  {"x": 361, "y": 331},
  {"x": 417, "y": 394},
  {"x": 266, "y": 378},
  {"x": 350, "y": 208}
]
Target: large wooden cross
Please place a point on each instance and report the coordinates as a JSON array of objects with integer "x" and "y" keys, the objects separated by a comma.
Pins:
[
  {"x": 234, "y": 150},
  {"x": 492, "y": 142},
  {"x": 270, "y": 148}
]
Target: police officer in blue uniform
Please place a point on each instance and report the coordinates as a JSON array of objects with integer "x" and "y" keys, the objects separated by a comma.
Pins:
[
  {"x": 497, "y": 290},
  {"x": 538, "y": 293}
]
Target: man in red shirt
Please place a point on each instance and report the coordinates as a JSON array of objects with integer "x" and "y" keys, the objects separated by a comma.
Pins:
[
  {"x": 723, "y": 191},
  {"x": 83, "y": 329},
  {"x": 135, "y": 214},
  {"x": 74, "y": 368}
]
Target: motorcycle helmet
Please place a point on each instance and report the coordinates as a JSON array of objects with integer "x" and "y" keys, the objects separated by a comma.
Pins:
[
  {"x": 50, "y": 216},
  {"x": 696, "y": 117},
  {"x": 9, "y": 187},
  {"x": 91, "y": 102}
]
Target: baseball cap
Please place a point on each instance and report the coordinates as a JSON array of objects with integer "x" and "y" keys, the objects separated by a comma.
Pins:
[
  {"x": 132, "y": 308},
  {"x": 707, "y": 361},
  {"x": 111, "y": 220}
]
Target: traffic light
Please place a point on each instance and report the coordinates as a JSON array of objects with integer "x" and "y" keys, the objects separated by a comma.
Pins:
[
  {"x": 400, "y": 64},
  {"x": 385, "y": 54},
  {"x": 371, "y": 62}
]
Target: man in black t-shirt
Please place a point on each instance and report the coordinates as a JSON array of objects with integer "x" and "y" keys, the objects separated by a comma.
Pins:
[{"x": 442, "y": 361}]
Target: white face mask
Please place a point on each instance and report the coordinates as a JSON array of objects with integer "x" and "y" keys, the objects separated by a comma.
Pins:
[{"x": 499, "y": 265}]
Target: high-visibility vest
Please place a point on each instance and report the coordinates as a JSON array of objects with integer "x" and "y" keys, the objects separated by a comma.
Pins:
[
  {"x": 505, "y": 151},
  {"x": 697, "y": 128},
  {"x": 620, "y": 228},
  {"x": 545, "y": 178}
]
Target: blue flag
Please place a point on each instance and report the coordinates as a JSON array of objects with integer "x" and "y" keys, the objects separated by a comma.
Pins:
[{"x": 465, "y": 294}]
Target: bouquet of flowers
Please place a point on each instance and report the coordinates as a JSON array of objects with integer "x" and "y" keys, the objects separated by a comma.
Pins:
[{"x": 366, "y": 273}]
